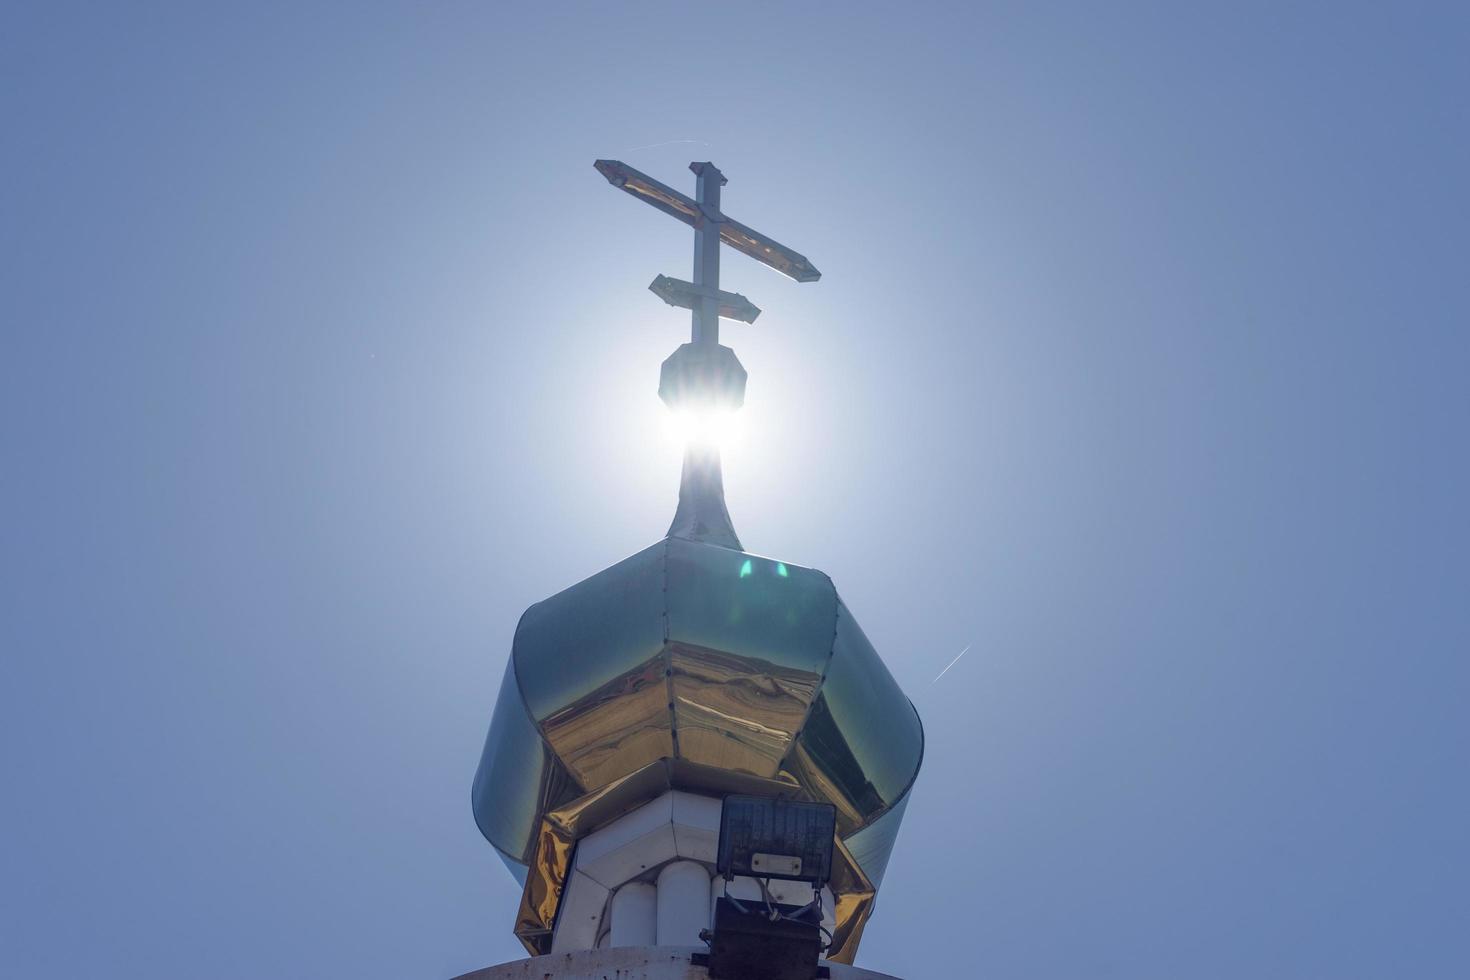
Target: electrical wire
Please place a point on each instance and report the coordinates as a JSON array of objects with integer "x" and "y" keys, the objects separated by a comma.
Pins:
[{"x": 771, "y": 912}]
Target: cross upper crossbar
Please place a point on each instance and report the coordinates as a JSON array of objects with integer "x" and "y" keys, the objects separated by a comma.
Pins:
[
  {"x": 740, "y": 237},
  {"x": 712, "y": 227}
]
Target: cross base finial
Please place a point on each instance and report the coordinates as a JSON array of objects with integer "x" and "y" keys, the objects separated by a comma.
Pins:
[
  {"x": 702, "y": 515},
  {"x": 703, "y": 379}
]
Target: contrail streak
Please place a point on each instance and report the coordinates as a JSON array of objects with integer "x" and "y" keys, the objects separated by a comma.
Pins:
[{"x": 952, "y": 663}]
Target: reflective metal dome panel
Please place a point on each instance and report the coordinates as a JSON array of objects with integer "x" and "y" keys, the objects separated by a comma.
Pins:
[{"x": 729, "y": 669}]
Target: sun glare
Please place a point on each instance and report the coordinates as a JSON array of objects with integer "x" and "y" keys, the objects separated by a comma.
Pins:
[{"x": 718, "y": 429}]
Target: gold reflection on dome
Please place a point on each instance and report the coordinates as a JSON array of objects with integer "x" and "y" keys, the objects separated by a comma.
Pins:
[
  {"x": 801, "y": 770},
  {"x": 617, "y": 729},
  {"x": 539, "y": 899},
  {"x": 736, "y": 712}
]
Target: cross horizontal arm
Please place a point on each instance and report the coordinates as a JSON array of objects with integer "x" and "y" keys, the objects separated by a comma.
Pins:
[
  {"x": 740, "y": 237},
  {"x": 651, "y": 191},
  {"x": 788, "y": 262}
]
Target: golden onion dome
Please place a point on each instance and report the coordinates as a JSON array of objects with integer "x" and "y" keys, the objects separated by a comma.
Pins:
[{"x": 694, "y": 665}]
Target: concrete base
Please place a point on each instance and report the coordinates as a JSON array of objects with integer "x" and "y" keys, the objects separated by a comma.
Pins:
[{"x": 628, "y": 963}]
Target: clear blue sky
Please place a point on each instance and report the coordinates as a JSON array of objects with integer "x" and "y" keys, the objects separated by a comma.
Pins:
[{"x": 1139, "y": 363}]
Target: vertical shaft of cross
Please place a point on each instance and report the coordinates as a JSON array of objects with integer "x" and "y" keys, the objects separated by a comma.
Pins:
[
  {"x": 706, "y": 317},
  {"x": 702, "y": 515}
]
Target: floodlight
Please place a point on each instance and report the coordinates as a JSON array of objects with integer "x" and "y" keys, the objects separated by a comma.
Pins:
[{"x": 786, "y": 839}]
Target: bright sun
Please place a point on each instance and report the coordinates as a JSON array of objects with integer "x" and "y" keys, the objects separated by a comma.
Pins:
[{"x": 710, "y": 428}]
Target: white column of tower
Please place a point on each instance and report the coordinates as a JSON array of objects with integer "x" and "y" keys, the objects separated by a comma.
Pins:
[
  {"x": 683, "y": 903},
  {"x": 634, "y": 915}
]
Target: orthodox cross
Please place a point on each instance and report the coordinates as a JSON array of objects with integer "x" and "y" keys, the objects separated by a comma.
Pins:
[
  {"x": 703, "y": 377},
  {"x": 704, "y": 296}
]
